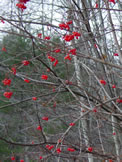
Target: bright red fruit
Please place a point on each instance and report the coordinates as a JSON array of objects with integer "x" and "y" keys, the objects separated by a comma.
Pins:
[
  {"x": 7, "y": 82},
  {"x": 40, "y": 157},
  {"x": 113, "y": 1},
  {"x": 2, "y": 21},
  {"x": 34, "y": 98},
  {"x": 94, "y": 110},
  {"x": 95, "y": 45},
  {"x": 96, "y": 5},
  {"x": 25, "y": 62},
  {"x": 73, "y": 51},
  {"x": 39, "y": 128},
  {"x": 119, "y": 100},
  {"x": 48, "y": 70},
  {"x": 68, "y": 38},
  {"x": 13, "y": 70},
  {"x": 23, "y": 1},
  {"x": 45, "y": 77},
  {"x": 8, "y": 94},
  {"x": 4, "y": 49},
  {"x": 103, "y": 82},
  {"x": 57, "y": 50},
  {"x": 67, "y": 57},
  {"x": 116, "y": 54},
  {"x": 26, "y": 80},
  {"x": 21, "y": 160},
  {"x": 64, "y": 26},
  {"x": 110, "y": 160},
  {"x": 76, "y": 34},
  {"x": 71, "y": 149},
  {"x": 55, "y": 63},
  {"x": 90, "y": 149},
  {"x": 114, "y": 133},
  {"x": 52, "y": 59},
  {"x": 21, "y": 5},
  {"x": 47, "y": 38},
  {"x": 39, "y": 35},
  {"x": 58, "y": 150},
  {"x": 49, "y": 147},
  {"x": 45, "y": 118},
  {"x": 72, "y": 124},
  {"x": 69, "y": 22},
  {"x": 113, "y": 86},
  {"x": 12, "y": 158}
]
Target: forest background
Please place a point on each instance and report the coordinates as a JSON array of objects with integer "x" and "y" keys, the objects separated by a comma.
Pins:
[{"x": 61, "y": 80}]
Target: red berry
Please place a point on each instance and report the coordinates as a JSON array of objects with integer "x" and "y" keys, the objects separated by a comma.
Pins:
[
  {"x": 119, "y": 100},
  {"x": 67, "y": 57},
  {"x": 103, "y": 82},
  {"x": 45, "y": 118},
  {"x": 39, "y": 128},
  {"x": 69, "y": 22},
  {"x": 48, "y": 70},
  {"x": 21, "y": 160},
  {"x": 13, "y": 70},
  {"x": 26, "y": 80},
  {"x": 58, "y": 150},
  {"x": 57, "y": 50},
  {"x": 73, "y": 51},
  {"x": 64, "y": 26},
  {"x": 8, "y": 94},
  {"x": 2, "y": 21},
  {"x": 4, "y": 49},
  {"x": 72, "y": 124},
  {"x": 90, "y": 149},
  {"x": 45, "y": 77},
  {"x": 49, "y": 147},
  {"x": 110, "y": 160},
  {"x": 47, "y": 38},
  {"x": 83, "y": 110},
  {"x": 116, "y": 54},
  {"x": 25, "y": 62},
  {"x": 34, "y": 98},
  {"x": 68, "y": 38},
  {"x": 95, "y": 45},
  {"x": 12, "y": 158},
  {"x": 21, "y": 5},
  {"x": 76, "y": 34},
  {"x": 94, "y": 110},
  {"x": 113, "y": 86},
  {"x": 40, "y": 157},
  {"x": 96, "y": 5},
  {"x": 39, "y": 35},
  {"x": 71, "y": 149},
  {"x": 113, "y": 1},
  {"x": 55, "y": 63},
  {"x": 7, "y": 82}
]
